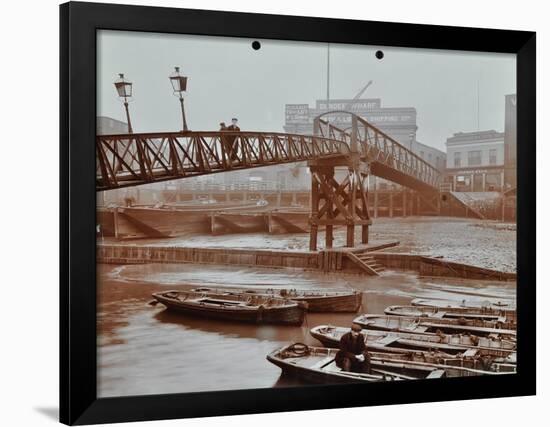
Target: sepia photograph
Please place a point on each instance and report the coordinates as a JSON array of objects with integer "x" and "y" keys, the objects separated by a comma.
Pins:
[{"x": 276, "y": 213}]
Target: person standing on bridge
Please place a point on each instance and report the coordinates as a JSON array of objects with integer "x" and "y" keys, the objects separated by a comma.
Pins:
[
  {"x": 233, "y": 126},
  {"x": 225, "y": 143},
  {"x": 232, "y": 143}
]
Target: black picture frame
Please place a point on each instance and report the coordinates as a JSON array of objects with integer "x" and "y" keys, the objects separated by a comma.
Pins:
[{"x": 78, "y": 24}]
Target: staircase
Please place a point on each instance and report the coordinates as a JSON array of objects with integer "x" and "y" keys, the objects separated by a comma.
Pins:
[
  {"x": 366, "y": 262},
  {"x": 468, "y": 202}
]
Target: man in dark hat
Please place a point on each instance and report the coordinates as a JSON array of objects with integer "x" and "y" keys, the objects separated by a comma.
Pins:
[
  {"x": 233, "y": 126},
  {"x": 353, "y": 355},
  {"x": 224, "y": 139},
  {"x": 231, "y": 139}
]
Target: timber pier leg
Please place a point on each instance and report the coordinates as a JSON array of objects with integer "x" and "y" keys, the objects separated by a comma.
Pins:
[
  {"x": 115, "y": 221},
  {"x": 375, "y": 197},
  {"x": 213, "y": 224},
  {"x": 365, "y": 234},
  {"x": 329, "y": 236},
  {"x": 338, "y": 202},
  {"x": 314, "y": 226},
  {"x": 350, "y": 236}
]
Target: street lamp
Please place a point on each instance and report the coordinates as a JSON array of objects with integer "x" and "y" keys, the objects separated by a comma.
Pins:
[
  {"x": 124, "y": 90},
  {"x": 179, "y": 85}
]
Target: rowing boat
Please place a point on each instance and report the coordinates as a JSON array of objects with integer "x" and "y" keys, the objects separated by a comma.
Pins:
[
  {"x": 423, "y": 325},
  {"x": 236, "y": 306},
  {"x": 317, "y": 300},
  {"x": 501, "y": 350},
  {"x": 482, "y": 313},
  {"x": 317, "y": 365},
  {"x": 509, "y": 309}
]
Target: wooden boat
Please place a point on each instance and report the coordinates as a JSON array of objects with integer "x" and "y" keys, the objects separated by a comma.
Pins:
[
  {"x": 509, "y": 309},
  {"x": 236, "y": 307},
  {"x": 483, "y": 313},
  {"x": 423, "y": 325},
  {"x": 317, "y": 364},
  {"x": 499, "y": 350},
  {"x": 333, "y": 300}
]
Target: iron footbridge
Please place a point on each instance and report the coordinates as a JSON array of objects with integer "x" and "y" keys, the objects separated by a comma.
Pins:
[{"x": 125, "y": 160}]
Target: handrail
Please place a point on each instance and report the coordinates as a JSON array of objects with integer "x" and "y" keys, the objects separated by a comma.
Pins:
[{"x": 133, "y": 159}]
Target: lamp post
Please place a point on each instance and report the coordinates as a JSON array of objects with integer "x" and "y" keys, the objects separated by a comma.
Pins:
[
  {"x": 124, "y": 90},
  {"x": 179, "y": 85}
]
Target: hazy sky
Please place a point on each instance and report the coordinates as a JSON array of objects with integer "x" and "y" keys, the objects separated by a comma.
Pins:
[{"x": 228, "y": 78}]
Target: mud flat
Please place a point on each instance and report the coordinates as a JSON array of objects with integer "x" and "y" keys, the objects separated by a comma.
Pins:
[
  {"x": 479, "y": 243},
  {"x": 342, "y": 260}
]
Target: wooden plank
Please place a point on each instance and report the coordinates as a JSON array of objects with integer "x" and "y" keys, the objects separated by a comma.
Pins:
[
  {"x": 439, "y": 315},
  {"x": 438, "y": 373},
  {"x": 387, "y": 340}
]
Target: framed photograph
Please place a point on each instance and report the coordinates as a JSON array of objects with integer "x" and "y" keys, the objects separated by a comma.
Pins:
[{"x": 267, "y": 213}]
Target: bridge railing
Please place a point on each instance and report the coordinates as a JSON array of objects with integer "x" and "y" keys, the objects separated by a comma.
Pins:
[
  {"x": 389, "y": 151},
  {"x": 133, "y": 159},
  {"x": 377, "y": 146}
]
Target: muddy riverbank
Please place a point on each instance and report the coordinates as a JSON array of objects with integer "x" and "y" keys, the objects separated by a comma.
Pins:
[{"x": 485, "y": 244}]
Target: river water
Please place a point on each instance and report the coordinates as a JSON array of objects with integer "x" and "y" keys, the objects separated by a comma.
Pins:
[{"x": 147, "y": 350}]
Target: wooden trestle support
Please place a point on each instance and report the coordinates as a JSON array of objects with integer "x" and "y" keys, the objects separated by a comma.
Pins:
[{"x": 339, "y": 203}]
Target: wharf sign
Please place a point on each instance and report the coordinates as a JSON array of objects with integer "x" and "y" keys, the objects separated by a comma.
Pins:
[
  {"x": 303, "y": 114},
  {"x": 297, "y": 113}
]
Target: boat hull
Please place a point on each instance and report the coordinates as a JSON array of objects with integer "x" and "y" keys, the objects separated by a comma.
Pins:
[
  {"x": 317, "y": 365},
  {"x": 316, "y": 373},
  {"x": 285, "y": 315},
  {"x": 332, "y": 304},
  {"x": 482, "y": 313},
  {"x": 427, "y": 325},
  {"x": 342, "y": 301},
  {"x": 508, "y": 310},
  {"x": 311, "y": 375},
  {"x": 405, "y": 343}
]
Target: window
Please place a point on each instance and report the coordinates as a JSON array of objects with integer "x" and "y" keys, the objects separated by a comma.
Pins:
[
  {"x": 493, "y": 156},
  {"x": 422, "y": 154},
  {"x": 457, "y": 159},
  {"x": 474, "y": 158}
]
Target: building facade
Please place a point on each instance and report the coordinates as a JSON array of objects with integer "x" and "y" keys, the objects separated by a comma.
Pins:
[
  {"x": 399, "y": 123},
  {"x": 109, "y": 126},
  {"x": 475, "y": 161},
  {"x": 510, "y": 142}
]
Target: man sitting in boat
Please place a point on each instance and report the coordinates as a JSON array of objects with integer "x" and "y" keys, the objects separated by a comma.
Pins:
[{"x": 353, "y": 355}]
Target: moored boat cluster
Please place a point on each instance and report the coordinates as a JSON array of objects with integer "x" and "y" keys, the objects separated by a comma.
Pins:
[{"x": 426, "y": 339}]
